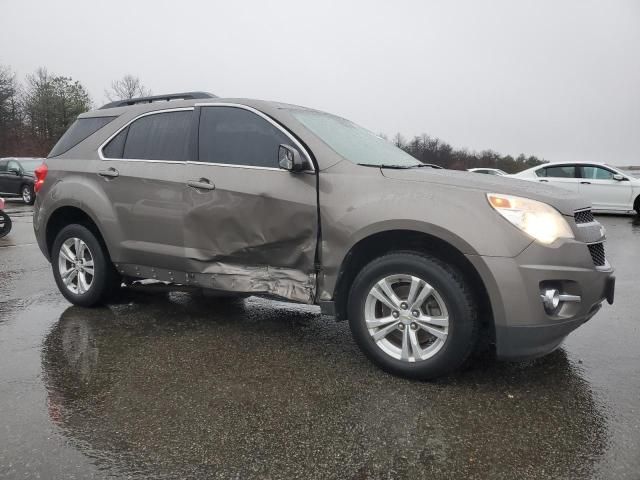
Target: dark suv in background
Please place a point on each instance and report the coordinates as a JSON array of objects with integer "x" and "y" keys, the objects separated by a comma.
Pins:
[
  {"x": 17, "y": 178},
  {"x": 248, "y": 197}
]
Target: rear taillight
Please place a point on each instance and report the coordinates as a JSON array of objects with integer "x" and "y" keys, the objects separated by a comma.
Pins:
[{"x": 41, "y": 173}]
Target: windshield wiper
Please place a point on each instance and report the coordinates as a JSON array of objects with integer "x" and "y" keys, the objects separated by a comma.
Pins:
[
  {"x": 384, "y": 165},
  {"x": 430, "y": 165},
  {"x": 399, "y": 167}
]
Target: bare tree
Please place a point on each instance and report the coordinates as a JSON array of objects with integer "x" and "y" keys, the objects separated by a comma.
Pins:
[
  {"x": 398, "y": 140},
  {"x": 125, "y": 88}
]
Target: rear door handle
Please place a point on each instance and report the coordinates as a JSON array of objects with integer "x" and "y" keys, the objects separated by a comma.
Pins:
[
  {"x": 585, "y": 183},
  {"x": 109, "y": 172},
  {"x": 202, "y": 184},
  {"x": 544, "y": 180}
]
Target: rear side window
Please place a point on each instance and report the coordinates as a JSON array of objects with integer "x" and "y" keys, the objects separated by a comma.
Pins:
[
  {"x": 77, "y": 132},
  {"x": 160, "y": 136},
  {"x": 564, "y": 171},
  {"x": 238, "y": 137}
]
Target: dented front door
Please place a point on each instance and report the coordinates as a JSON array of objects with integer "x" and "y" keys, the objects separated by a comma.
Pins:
[{"x": 250, "y": 226}]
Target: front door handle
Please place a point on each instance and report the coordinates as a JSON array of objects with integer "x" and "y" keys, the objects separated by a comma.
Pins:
[
  {"x": 109, "y": 172},
  {"x": 544, "y": 180},
  {"x": 585, "y": 183},
  {"x": 202, "y": 184}
]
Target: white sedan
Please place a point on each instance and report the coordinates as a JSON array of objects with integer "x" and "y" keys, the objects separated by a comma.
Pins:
[{"x": 609, "y": 189}]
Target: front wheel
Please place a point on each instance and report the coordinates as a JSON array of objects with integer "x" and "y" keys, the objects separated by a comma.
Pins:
[
  {"x": 82, "y": 268},
  {"x": 413, "y": 315},
  {"x": 5, "y": 224},
  {"x": 28, "y": 194}
]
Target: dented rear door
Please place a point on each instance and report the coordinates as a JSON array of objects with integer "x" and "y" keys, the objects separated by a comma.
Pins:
[{"x": 250, "y": 226}]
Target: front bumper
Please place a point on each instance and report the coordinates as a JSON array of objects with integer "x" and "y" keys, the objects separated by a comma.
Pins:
[{"x": 523, "y": 329}]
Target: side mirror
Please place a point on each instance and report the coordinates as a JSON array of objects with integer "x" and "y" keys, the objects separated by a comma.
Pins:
[
  {"x": 15, "y": 171},
  {"x": 290, "y": 159},
  {"x": 618, "y": 177}
]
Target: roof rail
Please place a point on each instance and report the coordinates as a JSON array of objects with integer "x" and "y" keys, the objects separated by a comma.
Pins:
[{"x": 158, "y": 98}]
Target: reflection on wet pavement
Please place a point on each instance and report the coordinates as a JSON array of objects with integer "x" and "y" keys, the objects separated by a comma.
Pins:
[
  {"x": 183, "y": 385},
  {"x": 177, "y": 385}
]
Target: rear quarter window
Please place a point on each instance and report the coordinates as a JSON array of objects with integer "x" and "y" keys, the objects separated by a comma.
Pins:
[
  {"x": 563, "y": 171},
  {"x": 77, "y": 132}
]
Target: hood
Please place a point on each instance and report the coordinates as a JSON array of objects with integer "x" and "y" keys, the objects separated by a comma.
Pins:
[{"x": 565, "y": 201}]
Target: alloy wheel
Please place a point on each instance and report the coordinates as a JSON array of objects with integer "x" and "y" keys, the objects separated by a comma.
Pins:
[
  {"x": 26, "y": 194},
  {"x": 75, "y": 264},
  {"x": 406, "y": 317}
]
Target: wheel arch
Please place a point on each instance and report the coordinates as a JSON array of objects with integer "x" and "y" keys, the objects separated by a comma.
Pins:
[
  {"x": 68, "y": 215},
  {"x": 383, "y": 242}
]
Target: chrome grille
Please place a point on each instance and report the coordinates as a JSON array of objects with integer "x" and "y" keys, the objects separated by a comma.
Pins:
[
  {"x": 597, "y": 254},
  {"x": 584, "y": 216}
]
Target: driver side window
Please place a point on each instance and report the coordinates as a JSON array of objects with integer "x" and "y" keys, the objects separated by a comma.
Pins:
[{"x": 13, "y": 166}]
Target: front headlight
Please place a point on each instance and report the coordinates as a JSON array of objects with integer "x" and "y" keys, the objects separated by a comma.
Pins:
[{"x": 539, "y": 220}]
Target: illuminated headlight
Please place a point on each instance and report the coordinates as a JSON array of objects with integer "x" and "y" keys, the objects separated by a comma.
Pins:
[{"x": 538, "y": 220}]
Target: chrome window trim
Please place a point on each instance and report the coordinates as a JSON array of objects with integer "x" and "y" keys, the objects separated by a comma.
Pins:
[
  {"x": 233, "y": 165},
  {"x": 154, "y": 112},
  {"x": 268, "y": 119}
]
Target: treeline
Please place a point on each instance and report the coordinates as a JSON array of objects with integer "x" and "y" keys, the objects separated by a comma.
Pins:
[
  {"x": 35, "y": 113},
  {"x": 433, "y": 150}
]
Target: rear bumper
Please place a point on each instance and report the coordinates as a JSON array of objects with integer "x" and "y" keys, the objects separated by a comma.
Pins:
[{"x": 523, "y": 329}]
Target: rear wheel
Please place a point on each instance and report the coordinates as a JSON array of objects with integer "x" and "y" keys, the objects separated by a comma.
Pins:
[
  {"x": 28, "y": 194},
  {"x": 636, "y": 205},
  {"x": 412, "y": 315},
  {"x": 82, "y": 268}
]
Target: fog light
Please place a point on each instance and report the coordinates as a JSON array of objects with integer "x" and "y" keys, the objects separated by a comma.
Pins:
[{"x": 551, "y": 299}]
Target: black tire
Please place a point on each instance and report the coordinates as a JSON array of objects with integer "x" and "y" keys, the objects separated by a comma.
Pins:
[
  {"x": 28, "y": 194},
  {"x": 105, "y": 282},
  {"x": 636, "y": 205},
  {"x": 5, "y": 224},
  {"x": 454, "y": 291}
]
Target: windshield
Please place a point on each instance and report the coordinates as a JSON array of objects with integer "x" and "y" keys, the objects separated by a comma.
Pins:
[
  {"x": 30, "y": 165},
  {"x": 353, "y": 142}
]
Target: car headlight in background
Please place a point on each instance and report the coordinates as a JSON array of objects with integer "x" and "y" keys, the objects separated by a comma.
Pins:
[{"x": 537, "y": 219}]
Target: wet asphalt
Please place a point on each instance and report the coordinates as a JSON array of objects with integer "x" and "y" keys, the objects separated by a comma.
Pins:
[{"x": 178, "y": 385}]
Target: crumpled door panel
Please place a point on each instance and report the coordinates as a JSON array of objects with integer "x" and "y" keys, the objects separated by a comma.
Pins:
[{"x": 256, "y": 232}]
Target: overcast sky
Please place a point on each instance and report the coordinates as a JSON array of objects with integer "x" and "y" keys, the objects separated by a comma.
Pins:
[{"x": 556, "y": 79}]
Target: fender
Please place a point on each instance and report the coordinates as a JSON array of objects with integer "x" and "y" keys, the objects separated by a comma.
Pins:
[{"x": 78, "y": 191}]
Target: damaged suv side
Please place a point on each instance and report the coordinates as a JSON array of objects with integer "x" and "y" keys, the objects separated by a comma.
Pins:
[{"x": 249, "y": 197}]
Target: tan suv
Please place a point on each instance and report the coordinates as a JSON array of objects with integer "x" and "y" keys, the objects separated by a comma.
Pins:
[{"x": 249, "y": 197}]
